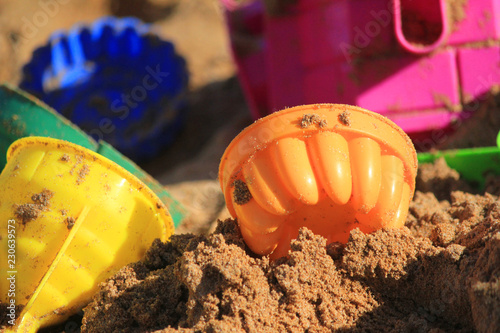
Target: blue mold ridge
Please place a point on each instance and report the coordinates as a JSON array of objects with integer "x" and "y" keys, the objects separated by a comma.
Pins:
[{"x": 115, "y": 79}]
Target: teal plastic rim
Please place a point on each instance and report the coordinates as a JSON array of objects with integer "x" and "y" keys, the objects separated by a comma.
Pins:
[{"x": 23, "y": 115}]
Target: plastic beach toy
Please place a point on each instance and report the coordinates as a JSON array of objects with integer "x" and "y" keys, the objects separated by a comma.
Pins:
[
  {"x": 116, "y": 80},
  {"x": 473, "y": 164},
  {"x": 76, "y": 218},
  {"x": 423, "y": 64},
  {"x": 22, "y": 115},
  {"x": 328, "y": 167}
]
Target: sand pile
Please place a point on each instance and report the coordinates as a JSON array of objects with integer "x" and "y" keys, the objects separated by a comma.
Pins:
[{"x": 441, "y": 273}]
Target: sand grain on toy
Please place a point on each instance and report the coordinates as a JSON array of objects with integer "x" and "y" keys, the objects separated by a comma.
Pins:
[
  {"x": 312, "y": 119},
  {"x": 28, "y": 212},
  {"x": 441, "y": 273},
  {"x": 345, "y": 118},
  {"x": 241, "y": 194}
]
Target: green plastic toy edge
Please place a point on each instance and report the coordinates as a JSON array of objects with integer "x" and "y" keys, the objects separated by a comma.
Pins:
[
  {"x": 473, "y": 164},
  {"x": 23, "y": 115}
]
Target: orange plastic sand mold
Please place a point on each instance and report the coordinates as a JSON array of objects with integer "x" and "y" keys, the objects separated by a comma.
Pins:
[{"x": 328, "y": 167}]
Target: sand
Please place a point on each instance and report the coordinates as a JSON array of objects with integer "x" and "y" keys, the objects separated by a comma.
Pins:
[
  {"x": 440, "y": 273},
  {"x": 28, "y": 212}
]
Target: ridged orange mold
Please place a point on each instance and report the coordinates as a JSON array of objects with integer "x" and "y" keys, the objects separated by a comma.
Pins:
[{"x": 328, "y": 167}]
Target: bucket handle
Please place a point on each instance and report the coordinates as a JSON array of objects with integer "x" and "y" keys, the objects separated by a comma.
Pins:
[{"x": 435, "y": 9}]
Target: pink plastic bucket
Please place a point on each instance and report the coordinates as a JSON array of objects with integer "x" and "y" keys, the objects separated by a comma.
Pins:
[{"x": 420, "y": 63}]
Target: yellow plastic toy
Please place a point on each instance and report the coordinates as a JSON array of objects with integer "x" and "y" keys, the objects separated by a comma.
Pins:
[
  {"x": 328, "y": 167},
  {"x": 69, "y": 219}
]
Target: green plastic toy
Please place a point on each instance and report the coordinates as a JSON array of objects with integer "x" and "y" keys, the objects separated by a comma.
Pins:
[
  {"x": 473, "y": 164},
  {"x": 23, "y": 115}
]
